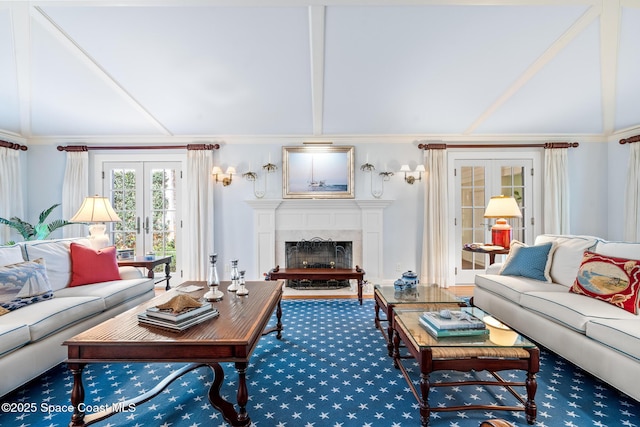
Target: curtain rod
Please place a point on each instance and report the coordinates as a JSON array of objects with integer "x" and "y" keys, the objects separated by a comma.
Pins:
[
  {"x": 440, "y": 146},
  {"x": 630, "y": 139},
  {"x": 70, "y": 148},
  {"x": 13, "y": 145}
]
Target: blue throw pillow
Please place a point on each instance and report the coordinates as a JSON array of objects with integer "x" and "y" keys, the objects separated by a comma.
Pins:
[{"x": 533, "y": 262}]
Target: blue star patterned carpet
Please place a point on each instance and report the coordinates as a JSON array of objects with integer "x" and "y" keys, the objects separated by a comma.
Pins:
[{"x": 330, "y": 369}]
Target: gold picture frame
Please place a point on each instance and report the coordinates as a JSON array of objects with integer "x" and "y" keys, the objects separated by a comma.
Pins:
[{"x": 317, "y": 172}]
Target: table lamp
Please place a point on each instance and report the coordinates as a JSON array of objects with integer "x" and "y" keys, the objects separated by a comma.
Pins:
[
  {"x": 502, "y": 207},
  {"x": 96, "y": 210}
]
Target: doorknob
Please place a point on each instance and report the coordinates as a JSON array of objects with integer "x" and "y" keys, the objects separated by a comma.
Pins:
[
  {"x": 146, "y": 225},
  {"x": 138, "y": 225}
]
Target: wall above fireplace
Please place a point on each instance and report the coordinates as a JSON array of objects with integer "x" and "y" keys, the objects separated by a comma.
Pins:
[{"x": 359, "y": 221}]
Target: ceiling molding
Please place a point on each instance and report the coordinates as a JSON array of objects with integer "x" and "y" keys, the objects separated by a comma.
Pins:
[
  {"x": 21, "y": 24},
  {"x": 566, "y": 38},
  {"x": 62, "y": 37},
  {"x": 316, "y": 40},
  {"x": 609, "y": 42}
]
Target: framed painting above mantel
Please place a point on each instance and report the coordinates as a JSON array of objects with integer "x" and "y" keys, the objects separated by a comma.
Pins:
[{"x": 318, "y": 172}]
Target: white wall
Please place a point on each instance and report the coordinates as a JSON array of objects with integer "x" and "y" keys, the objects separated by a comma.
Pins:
[{"x": 597, "y": 172}]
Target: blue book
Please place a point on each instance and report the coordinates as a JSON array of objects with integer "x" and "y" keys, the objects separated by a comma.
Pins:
[
  {"x": 458, "y": 319},
  {"x": 444, "y": 333}
]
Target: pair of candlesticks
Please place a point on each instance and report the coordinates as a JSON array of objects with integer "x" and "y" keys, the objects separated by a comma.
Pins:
[{"x": 238, "y": 284}]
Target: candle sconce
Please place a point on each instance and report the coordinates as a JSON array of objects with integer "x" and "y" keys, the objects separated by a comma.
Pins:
[
  {"x": 254, "y": 177},
  {"x": 385, "y": 176}
]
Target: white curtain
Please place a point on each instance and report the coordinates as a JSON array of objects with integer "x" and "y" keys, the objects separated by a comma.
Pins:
[
  {"x": 556, "y": 191},
  {"x": 199, "y": 214},
  {"x": 75, "y": 187},
  {"x": 435, "y": 243},
  {"x": 632, "y": 196},
  {"x": 10, "y": 189}
]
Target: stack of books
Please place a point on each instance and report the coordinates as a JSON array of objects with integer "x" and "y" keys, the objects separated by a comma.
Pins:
[
  {"x": 452, "y": 323},
  {"x": 177, "y": 321}
]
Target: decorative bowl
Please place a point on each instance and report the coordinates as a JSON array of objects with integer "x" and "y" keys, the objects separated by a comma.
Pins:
[{"x": 499, "y": 333}]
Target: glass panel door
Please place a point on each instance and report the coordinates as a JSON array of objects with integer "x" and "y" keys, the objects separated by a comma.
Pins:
[
  {"x": 145, "y": 195},
  {"x": 476, "y": 181}
]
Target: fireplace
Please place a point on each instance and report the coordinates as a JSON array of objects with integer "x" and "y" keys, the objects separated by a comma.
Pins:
[
  {"x": 357, "y": 221},
  {"x": 318, "y": 253}
]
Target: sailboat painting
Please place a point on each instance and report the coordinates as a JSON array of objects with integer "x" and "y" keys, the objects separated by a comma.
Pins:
[{"x": 318, "y": 172}]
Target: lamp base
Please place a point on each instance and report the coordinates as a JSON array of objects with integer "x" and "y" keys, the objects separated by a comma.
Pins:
[
  {"x": 98, "y": 238},
  {"x": 501, "y": 234}
]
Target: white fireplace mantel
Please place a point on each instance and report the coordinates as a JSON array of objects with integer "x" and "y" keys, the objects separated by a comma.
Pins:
[{"x": 279, "y": 220}]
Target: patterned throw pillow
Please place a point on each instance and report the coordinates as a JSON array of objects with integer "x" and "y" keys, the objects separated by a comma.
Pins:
[
  {"x": 22, "y": 284},
  {"x": 610, "y": 279},
  {"x": 533, "y": 262},
  {"x": 90, "y": 266}
]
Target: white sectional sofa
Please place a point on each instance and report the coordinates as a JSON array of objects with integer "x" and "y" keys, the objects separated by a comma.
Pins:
[
  {"x": 31, "y": 337},
  {"x": 595, "y": 335}
]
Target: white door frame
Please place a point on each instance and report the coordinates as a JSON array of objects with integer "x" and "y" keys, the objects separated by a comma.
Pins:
[
  {"x": 97, "y": 161},
  {"x": 454, "y": 155}
]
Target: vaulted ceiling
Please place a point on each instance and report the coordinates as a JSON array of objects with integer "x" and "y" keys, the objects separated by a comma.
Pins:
[{"x": 173, "y": 69}]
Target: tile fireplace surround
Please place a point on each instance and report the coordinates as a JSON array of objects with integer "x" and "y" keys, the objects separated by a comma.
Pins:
[{"x": 359, "y": 221}]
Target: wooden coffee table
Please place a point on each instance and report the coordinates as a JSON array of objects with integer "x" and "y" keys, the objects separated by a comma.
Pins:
[
  {"x": 231, "y": 337},
  {"x": 464, "y": 354}
]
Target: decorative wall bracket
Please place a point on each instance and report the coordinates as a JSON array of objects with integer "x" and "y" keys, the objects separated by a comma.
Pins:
[
  {"x": 385, "y": 176},
  {"x": 254, "y": 177}
]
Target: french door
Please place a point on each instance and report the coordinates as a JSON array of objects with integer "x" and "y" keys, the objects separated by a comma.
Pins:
[
  {"x": 475, "y": 182},
  {"x": 146, "y": 196}
]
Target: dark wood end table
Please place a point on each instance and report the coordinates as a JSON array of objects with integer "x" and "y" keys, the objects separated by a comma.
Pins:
[
  {"x": 150, "y": 264},
  {"x": 492, "y": 253}
]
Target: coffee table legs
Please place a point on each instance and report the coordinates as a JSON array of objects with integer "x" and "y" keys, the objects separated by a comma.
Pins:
[
  {"x": 236, "y": 419},
  {"x": 229, "y": 413}
]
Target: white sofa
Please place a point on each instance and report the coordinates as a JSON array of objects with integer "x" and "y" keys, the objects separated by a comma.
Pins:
[
  {"x": 599, "y": 337},
  {"x": 31, "y": 337}
]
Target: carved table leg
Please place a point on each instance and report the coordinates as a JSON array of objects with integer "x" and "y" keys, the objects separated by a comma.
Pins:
[
  {"x": 396, "y": 350},
  {"x": 236, "y": 419},
  {"x": 425, "y": 410},
  {"x": 77, "y": 394},
  {"x": 532, "y": 385}
]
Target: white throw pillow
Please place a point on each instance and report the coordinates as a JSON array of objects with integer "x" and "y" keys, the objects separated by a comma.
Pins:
[{"x": 567, "y": 256}]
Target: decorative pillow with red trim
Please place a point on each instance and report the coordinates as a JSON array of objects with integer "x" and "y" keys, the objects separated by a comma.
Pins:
[
  {"x": 610, "y": 279},
  {"x": 91, "y": 266}
]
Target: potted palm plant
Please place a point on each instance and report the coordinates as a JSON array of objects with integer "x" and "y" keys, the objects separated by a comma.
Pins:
[{"x": 40, "y": 231}]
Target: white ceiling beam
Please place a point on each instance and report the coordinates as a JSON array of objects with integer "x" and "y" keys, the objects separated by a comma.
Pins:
[
  {"x": 316, "y": 42},
  {"x": 305, "y": 3},
  {"x": 609, "y": 42},
  {"x": 94, "y": 66},
  {"x": 22, "y": 56},
  {"x": 566, "y": 38}
]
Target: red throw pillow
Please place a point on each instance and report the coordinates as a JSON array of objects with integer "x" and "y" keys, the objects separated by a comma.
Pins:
[
  {"x": 614, "y": 280},
  {"x": 91, "y": 266}
]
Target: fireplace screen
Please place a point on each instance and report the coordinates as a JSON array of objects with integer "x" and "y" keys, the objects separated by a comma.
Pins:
[{"x": 318, "y": 253}]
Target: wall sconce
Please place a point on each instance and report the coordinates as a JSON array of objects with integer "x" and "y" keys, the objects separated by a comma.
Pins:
[
  {"x": 226, "y": 177},
  {"x": 410, "y": 179},
  {"x": 369, "y": 168},
  {"x": 253, "y": 177}
]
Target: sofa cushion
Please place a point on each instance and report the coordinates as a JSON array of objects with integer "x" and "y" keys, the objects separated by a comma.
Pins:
[
  {"x": 512, "y": 287},
  {"x": 610, "y": 279},
  {"x": 622, "y": 335},
  {"x": 572, "y": 310},
  {"x": 10, "y": 255},
  {"x": 533, "y": 262},
  {"x": 22, "y": 284},
  {"x": 92, "y": 266},
  {"x": 12, "y": 336},
  {"x": 618, "y": 249},
  {"x": 567, "y": 255},
  {"x": 57, "y": 258},
  {"x": 113, "y": 293},
  {"x": 50, "y": 316}
]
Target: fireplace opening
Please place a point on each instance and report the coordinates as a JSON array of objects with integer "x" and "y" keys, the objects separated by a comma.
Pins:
[{"x": 318, "y": 253}]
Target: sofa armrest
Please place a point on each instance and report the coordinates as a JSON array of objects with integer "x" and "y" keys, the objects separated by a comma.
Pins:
[
  {"x": 128, "y": 272},
  {"x": 494, "y": 268}
]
